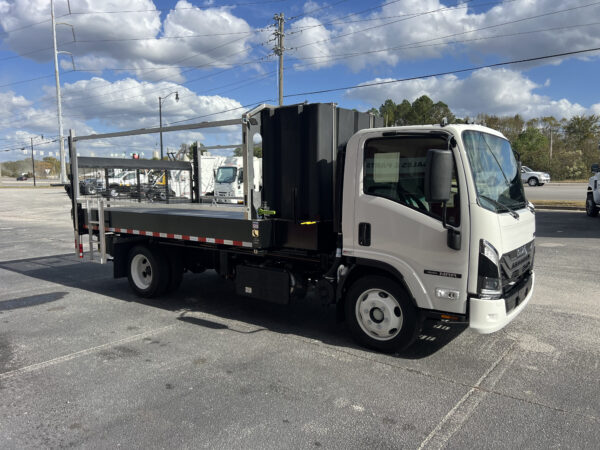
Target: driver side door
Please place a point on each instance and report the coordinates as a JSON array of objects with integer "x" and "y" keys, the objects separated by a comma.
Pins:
[{"x": 404, "y": 230}]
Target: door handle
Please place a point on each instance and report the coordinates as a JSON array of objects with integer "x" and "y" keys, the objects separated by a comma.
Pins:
[{"x": 364, "y": 234}]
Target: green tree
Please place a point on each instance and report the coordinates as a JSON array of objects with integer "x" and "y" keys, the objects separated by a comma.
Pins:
[
  {"x": 533, "y": 146},
  {"x": 421, "y": 111},
  {"x": 388, "y": 112},
  {"x": 257, "y": 151},
  {"x": 403, "y": 111}
]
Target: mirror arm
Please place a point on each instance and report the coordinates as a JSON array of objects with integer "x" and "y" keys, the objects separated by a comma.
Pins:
[{"x": 454, "y": 239}]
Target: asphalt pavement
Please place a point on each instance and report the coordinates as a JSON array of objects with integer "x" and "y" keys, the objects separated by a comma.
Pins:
[
  {"x": 85, "y": 363},
  {"x": 571, "y": 192}
]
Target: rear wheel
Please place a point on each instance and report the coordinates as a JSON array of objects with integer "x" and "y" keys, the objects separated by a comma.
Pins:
[
  {"x": 532, "y": 181},
  {"x": 148, "y": 271},
  {"x": 380, "y": 314},
  {"x": 590, "y": 206}
]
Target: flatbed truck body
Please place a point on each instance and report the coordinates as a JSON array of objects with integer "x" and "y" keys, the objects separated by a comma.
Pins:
[{"x": 393, "y": 225}]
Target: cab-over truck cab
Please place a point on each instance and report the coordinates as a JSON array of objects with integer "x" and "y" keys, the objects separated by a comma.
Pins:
[{"x": 434, "y": 218}]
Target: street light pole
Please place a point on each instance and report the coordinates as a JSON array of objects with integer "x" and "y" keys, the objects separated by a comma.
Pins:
[
  {"x": 160, "y": 115},
  {"x": 160, "y": 100}
]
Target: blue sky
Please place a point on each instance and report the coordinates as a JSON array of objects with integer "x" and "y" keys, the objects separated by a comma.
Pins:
[{"x": 218, "y": 56}]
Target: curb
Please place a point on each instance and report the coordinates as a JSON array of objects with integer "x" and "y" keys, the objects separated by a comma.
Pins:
[{"x": 558, "y": 208}]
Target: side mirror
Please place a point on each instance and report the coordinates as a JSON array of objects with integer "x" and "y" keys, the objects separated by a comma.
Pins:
[
  {"x": 595, "y": 168},
  {"x": 438, "y": 175}
]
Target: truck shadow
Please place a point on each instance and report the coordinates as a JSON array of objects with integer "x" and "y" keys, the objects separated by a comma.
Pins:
[{"x": 214, "y": 299}]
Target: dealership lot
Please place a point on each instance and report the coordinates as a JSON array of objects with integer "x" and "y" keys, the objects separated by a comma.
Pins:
[{"x": 84, "y": 362}]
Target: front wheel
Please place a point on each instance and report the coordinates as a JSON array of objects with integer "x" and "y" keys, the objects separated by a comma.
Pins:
[
  {"x": 532, "y": 181},
  {"x": 380, "y": 314},
  {"x": 590, "y": 206}
]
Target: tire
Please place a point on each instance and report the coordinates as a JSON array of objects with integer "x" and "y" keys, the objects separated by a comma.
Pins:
[
  {"x": 591, "y": 209},
  {"x": 532, "y": 181},
  {"x": 380, "y": 314},
  {"x": 113, "y": 192},
  {"x": 148, "y": 271},
  {"x": 91, "y": 190}
]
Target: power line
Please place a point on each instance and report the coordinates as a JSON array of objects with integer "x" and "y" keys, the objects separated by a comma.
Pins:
[
  {"x": 463, "y": 32},
  {"x": 470, "y": 69},
  {"x": 135, "y": 11},
  {"x": 317, "y": 9},
  {"x": 411, "y": 15},
  {"x": 25, "y": 27},
  {"x": 450, "y": 72},
  {"x": 422, "y": 44},
  {"x": 260, "y": 61},
  {"x": 33, "y": 79},
  {"x": 177, "y": 9}
]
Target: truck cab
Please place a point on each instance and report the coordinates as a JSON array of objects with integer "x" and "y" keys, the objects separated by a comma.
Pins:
[
  {"x": 229, "y": 179},
  {"x": 470, "y": 255}
]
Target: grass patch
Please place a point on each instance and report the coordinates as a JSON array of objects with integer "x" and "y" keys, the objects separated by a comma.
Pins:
[
  {"x": 585, "y": 180},
  {"x": 559, "y": 204}
]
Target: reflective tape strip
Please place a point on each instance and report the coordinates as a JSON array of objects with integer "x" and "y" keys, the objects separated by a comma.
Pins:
[{"x": 181, "y": 237}]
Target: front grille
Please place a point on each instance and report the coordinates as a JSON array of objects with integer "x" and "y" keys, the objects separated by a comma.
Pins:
[{"x": 516, "y": 264}]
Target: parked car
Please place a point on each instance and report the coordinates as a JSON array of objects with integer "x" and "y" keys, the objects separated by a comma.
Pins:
[
  {"x": 91, "y": 186},
  {"x": 22, "y": 178},
  {"x": 533, "y": 178}
]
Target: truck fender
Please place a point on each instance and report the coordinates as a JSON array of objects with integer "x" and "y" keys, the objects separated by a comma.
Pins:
[
  {"x": 119, "y": 249},
  {"x": 360, "y": 268}
]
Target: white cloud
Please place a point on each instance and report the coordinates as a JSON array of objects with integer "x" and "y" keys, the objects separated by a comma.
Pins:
[
  {"x": 499, "y": 92},
  {"x": 424, "y": 29},
  {"x": 124, "y": 104},
  {"x": 131, "y": 40}
]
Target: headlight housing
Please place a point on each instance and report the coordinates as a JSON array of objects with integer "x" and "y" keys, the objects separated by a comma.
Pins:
[{"x": 489, "y": 282}]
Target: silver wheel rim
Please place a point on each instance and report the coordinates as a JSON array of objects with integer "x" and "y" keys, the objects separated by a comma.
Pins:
[
  {"x": 141, "y": 271},
  {"x": 379, "y": 314},
  {"x": 532, "y": 182}
]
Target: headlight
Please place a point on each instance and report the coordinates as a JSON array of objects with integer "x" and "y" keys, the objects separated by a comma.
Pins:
[{"x": 489, "y": 284}]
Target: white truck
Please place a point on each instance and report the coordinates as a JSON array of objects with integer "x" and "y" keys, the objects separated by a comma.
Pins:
[
  {"x": 392, "y": 225},
  {"x": 592, "y": 200},
  {"x": 229, "y": 179}
]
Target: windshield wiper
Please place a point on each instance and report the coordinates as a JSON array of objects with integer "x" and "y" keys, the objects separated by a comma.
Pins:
[
  {"x": 496, "y": 159},
  {"x": 502, "y": 205}
]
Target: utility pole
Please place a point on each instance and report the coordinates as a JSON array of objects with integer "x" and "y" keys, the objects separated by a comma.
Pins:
[
  {"x": 550, "y": 143},
  {"x": 279, "y": 49},
  {"x": 63, "y": 165},
  {"x": 32, "y": 162}
]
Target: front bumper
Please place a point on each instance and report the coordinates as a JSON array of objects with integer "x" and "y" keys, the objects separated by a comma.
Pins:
[{"x": 487, "y": 316}]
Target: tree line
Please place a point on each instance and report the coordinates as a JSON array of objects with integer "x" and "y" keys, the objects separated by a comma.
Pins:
[
  {"x": 48, "y": 166},
  {"x": 565, "y": 148}
]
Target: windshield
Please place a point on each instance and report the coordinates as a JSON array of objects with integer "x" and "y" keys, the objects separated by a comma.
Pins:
[
  {"x": 226, "y": 174},
  {"x": 495, "y": 172}
]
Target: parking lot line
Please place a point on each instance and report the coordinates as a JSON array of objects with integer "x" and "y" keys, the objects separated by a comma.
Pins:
[{"x": 84, "y": 352}]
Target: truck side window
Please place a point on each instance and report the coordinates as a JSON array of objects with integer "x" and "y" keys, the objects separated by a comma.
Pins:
[{"x": 394, "y": 168}]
